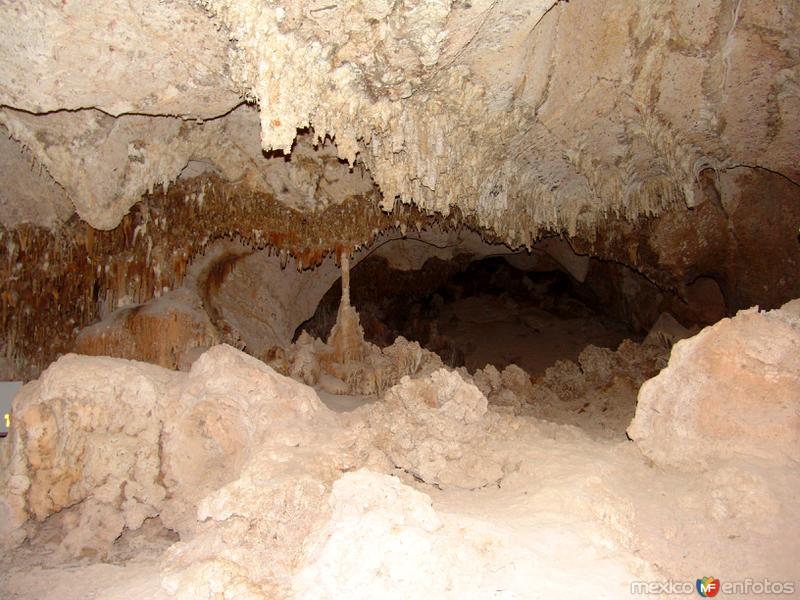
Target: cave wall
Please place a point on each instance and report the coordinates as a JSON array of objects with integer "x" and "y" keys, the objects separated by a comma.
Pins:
[{"x": 743, "y": 235}]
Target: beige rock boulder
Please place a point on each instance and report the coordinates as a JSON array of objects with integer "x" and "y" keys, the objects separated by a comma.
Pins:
[
  {"x": 252, "y": 459},
  {"x": 511, "y": 388},
  {"x": 101, "y": 444},
  {"x": 435, "y": 428},
  {"x": 224, "y": 411},
  {"x": 733, "y": 389},
  {"x": 381, "y": 540},
  {"x": 250, "y": 531},
  {"x": 85, "y": 438}
]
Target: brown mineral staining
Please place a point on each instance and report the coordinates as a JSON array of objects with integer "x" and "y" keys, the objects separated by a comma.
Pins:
[{"x": 69, "y": 277}]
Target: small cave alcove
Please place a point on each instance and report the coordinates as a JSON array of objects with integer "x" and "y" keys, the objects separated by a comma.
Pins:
[{"x": 515, "y": 308}]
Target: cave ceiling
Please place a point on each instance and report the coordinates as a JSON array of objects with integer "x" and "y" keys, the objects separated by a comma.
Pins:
[{"x": 528, "y": 116}]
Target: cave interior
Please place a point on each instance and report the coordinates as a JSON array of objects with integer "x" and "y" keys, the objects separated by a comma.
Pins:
[{"x": 399, "y": 299}]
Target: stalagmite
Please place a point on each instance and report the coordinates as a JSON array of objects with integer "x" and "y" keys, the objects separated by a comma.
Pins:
[{"x": 347, "y": 336}]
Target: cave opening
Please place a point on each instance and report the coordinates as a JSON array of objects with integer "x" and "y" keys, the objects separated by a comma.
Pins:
[{"x": 514, "y": 308}]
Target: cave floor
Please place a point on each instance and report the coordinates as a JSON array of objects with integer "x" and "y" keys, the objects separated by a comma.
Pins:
[
  {"x": 576, "y": 518},
  {"x": 578, "y": 510},
  {"x": 500, "y": 331}
]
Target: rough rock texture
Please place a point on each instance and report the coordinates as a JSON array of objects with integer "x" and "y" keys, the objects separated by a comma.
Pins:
[
  {"x": 435, "y": 428},
  {"x": 170, "y": 331},
  {"x": 597, "y": 392},
  {"x": 511, "y": 387},
  {"x": 314, "y": 362},
  {"x": 124, "y": 55},
  {"x": 742, "y": 236},
  {"x": 273, "y": 496},
  {"x": 384, "y": 538},
  {"x": 32, "y": 196},
  {"x": 85, "y": 437},
  {"x": 436, "y": 69},
  {"x": 550, "y": 114},
  {"x": 229, "y": 405},
  {"x": 237, "y": 460},
  {"x": 528, "y": 120},
  {"x": 602, "y": 381},
  {"x": 730, "y": 390},
  {"x": 104, "y": 443},
  {"x": 105, "y": 164},
  {"x": 380, "y": 529},
  {"x": 52, "y": 282},
  {"x": 254, "y": 513}
]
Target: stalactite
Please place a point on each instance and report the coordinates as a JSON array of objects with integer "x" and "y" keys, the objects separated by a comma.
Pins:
[{"x": 44, "y": 301}]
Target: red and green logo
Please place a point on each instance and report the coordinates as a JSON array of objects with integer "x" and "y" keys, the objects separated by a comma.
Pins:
[{"x": 708, "y": 587}]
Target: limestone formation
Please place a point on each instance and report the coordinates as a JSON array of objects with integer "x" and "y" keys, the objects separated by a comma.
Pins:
[
  {"x": 596, "y": 392},
  {"x": 511, "y": 388},
  {"x": 171, "y": 331},
  {"x": 105, "y": 443},
  {"x": 268, "y": 493},
  {"x": 382, "y": 538},
  {"x": 729, "y": 391},
  {"x": 125, "y": 54},
  {"x": 347, "y": 362},
  {"x": 313, "y": 362},
  {"x": 266, "y": 226},
  {"x": 85, "y": 443},
  {"x": 508, "y": 111},
  {"x": 435, "y": 428},
  {"x": 347, "y": 336}
]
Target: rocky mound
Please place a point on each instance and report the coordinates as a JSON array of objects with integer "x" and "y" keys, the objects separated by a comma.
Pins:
[{"x": 733, "y": 389}]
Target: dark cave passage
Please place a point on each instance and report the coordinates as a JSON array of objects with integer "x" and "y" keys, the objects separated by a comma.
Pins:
[{"x": 476, "y": 312}]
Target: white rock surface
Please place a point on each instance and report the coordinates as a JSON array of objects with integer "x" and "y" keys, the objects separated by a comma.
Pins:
[
  {"x": 163, "y": 58},
  {"x": 111, "y": 442},
  {"x": 435, "y": 428},
  {"x": 732, "y": 390},
  {"x": 273, "y": 496},
  {"x": 85, "y": 437},
  {"x": 105, "y": 164},
  {"x": 528, "y": 116},
  {"x": 381, "y": 539}
]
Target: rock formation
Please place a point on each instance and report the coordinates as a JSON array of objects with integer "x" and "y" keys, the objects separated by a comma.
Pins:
[
  {"x": 106, "y": 443},
  {"x": 228, "y": 233},
  {"x": 509, "y": 109},
  {"x": 270, "y": 494},
  {"x": 171, "y": 331},
  {"x": 731, "y": 390},
  {"x": 435, "y": 428},
  {"x": 85, "y": 445}
]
